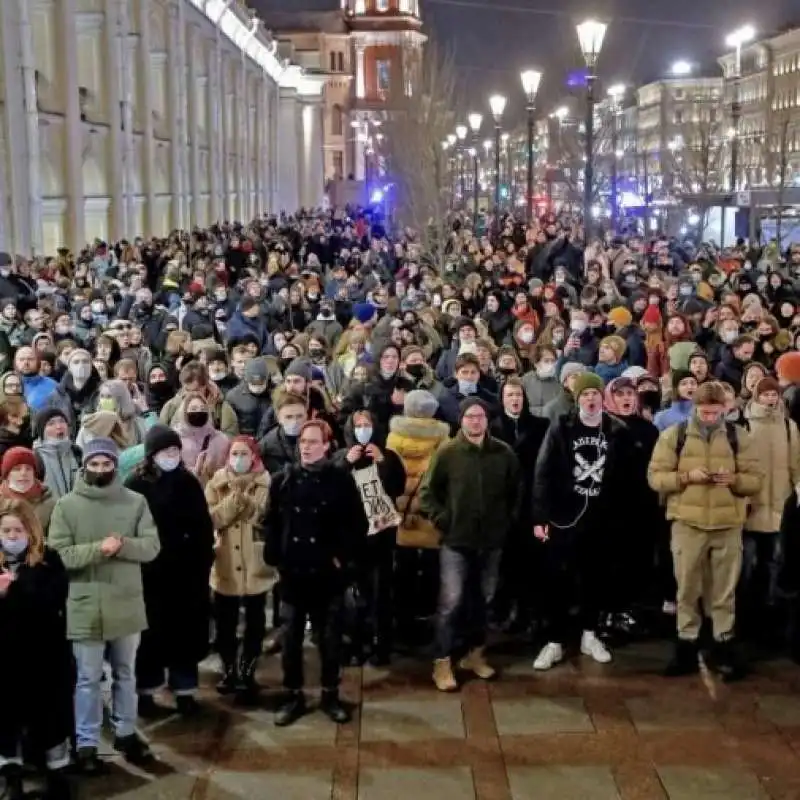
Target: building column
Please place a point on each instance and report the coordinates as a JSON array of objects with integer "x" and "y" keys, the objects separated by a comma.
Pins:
[
  {"x": 116, "y": 165},
  {"x": 240, "y": 137},
  {"x": 361, "y": 84},
  {"x": 289, "y": 137},
  {"x": 73, "y": 156},
  {"x": 129, "y": 143},
  {"x": 313, "y": 167},
  {"x": 214, "y": 127},
  {"x": 226, "y": 128},
  {"x": 145, "y": 99},
  {"x": 195, "y": 84},
  {"x": 176, "y": 111},
  {"x": 262, "y": 143},
  {"x": 188, "y": 209},
  {"x": 274, "y": 105},
  {"x": 31, "y": 108}
]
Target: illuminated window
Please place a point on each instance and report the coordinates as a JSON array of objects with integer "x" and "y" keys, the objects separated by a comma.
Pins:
[
  {"x": 383, "y": 71},
  {"x": 382, "y": 5}
]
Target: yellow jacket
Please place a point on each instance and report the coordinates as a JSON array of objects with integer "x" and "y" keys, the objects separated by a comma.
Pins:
[
  {"x": 415, "y": 441},
  {"x": 707, "y": 507},
  {"x": 776, "y": 447}
]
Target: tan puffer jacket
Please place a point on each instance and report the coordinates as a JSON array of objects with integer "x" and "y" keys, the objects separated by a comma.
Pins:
[
  {"x": 238, "y": 504},
  {"x": 707, "y": 507},
  {"x": 415, "y": 441},
  {"x": 777, "y": 450}
]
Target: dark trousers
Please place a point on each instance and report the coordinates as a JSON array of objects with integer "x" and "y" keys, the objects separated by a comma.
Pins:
[
  {"x": 376, "y": 584},
  {"x": 758, "y": 583},
  {"x": 153, "y": 671},
  {"x": 324, "y": 611},
  {"x": 577, "y": 577},
  {"x": 226, "y": 613}
]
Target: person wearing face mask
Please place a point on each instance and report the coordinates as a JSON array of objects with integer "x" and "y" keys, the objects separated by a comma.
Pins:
[
  {"x": 465, "y": 384},
  {"x": 104, "y": 533},
  {"x": 204, "y": 449},
  {"x": 20, "y": 482},
  {"x": 381, "y": 478},
  {"x": 250, "y": 400},
  {"x": 326, "y": 324},
  {"x": 175, "y": 583},
  {"x": 279, "y": 447},
  {"x": 465, "y": 334},
  {"x": 248, "y": 320},
  {"x": 219, "y": 372},
  {"x": 238, "y": 497},
  {"x": 59, "y": 458},
  {"x": 706, "y": 468},
  {"x": 582, "y": 343},
  {"x": 37, "y": 659},
  {"x": 733, "y": 359},
  {"x": 541, "y": 383},
  {"x": 580, "y": 480}
]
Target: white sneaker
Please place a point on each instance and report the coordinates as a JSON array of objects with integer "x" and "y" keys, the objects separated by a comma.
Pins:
[
  {"x": 592, "y": 646},
  {"x": 549, "y": 656}
]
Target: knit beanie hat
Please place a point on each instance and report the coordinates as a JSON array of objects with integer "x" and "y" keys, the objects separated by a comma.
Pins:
[
  {"x": 43, "y": 417},
  {"x": 680, "y": 353},
  {"x": 617, "y": 344},
  {"x": 421, "y": 404},
  {"x": 710, "y": 393},
  {"x": 620, "y": 316},
  {"x": 768, "y": 384},
  {"x": 299, "y": 366},
  {"x": 78, "y": 351},
  {"x": 464, "y": 322},
  {"x": 634, "y": 373},
  {"x": 468, "y": 403},
  {"x": 158, "y": 438},
  {"x": 679, "y": 375},
  {"x": 17, "y": 457},
  {"x": 570, "y": 368},
  {"x": 256, "y": 371},
  {"x": 787, "y": 367},
  {"x": 651, "y": 316},
  {"x": 100, "y": 446},
  {"x": 363, "y": 312},
  {"x": 585, "y": 381}
]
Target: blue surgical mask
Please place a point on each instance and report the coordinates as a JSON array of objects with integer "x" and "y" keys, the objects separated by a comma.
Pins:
[
  {"x": 291, "y": 428},
  {"x": 363, "y": 435},
  {"x": 240, "y": 464},
  {"x": 167, "y": 463},
  {"x": 467, "y": 387},
  {"x": 14, "y": 547}
]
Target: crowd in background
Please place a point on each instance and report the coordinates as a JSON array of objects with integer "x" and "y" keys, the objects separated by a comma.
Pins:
[{"x": 320, "y": 425}]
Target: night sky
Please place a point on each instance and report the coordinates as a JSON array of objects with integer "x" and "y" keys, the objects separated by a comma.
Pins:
[{"x": 492, "y": 40}]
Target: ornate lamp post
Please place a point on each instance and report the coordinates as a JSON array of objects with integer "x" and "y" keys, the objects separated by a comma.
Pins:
[
  {"x": 497, "y": 103},
  {"x": 531, "y": 79},
  {"x": 475, "y": 121}
]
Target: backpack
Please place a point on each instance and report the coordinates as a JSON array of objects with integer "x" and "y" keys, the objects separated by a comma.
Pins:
[{"x": 730, "y": 432}]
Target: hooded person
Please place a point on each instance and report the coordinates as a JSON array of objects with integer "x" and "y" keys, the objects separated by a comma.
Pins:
[
  {"x": 564, "y": 402},
  {"x": 684, "y": 385},
  {"x": 77, "y": 392},
  {"x": 250, "y": 400},
  {"x": 59, "y": 459},
  {"x": 581, "y": 479},
  {"x": 610, "y": 358},
  {"x": 114, "y": 395},
  {"x": 175, "y": 583},
  {"x": 541, "y": 383},
  {"x": 379, "y": 474},
  {"x": 415, "y": 436},
  {"x": 204, "y": 449}
]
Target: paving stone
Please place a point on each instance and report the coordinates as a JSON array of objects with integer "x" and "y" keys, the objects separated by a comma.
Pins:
[
  {"x": 706, "y": 783},
  {"x": 305, "y": 785},
  {"x": 419, "y": 784},
  {"x": 562, "y": 782},
  {"x": 535, "y": 715},
  {"x": 434, "y": 717}
]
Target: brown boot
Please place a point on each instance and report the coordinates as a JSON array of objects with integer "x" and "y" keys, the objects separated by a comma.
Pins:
[
  {"x": 443, "y": 675},
  {"x": 474, "y": 661}
]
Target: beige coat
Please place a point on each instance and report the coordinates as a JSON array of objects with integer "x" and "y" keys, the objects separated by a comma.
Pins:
[
  {"x": 238, "y": 505},
  {"x": 778, "y": 455}
]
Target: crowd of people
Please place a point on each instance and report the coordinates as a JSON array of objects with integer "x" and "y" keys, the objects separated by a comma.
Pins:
[{"x": 319, "y": 425}]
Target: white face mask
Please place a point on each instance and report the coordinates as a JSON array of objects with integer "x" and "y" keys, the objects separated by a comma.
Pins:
[
  {"x": 526, "y": 336},
  {"x": 578, "y": 325},
  {"x": 166, "y": 463},
  {"x": 80, "y": 372},
  {"x": 546, "y": 370},
  {"x": 363, "y": 435}
]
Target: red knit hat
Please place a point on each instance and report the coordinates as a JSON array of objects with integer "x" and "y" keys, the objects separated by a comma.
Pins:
[
  {"x": 651, "y": 316},
  {"x": 195, "y": 287},
  {"x": 17, "y": 457}
]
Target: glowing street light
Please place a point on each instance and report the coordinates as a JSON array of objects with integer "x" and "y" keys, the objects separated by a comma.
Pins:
[
  {"x": 681, "y": 69},
  {"x": 531, "y": 79},
  {"x": 497, "y": 103}
]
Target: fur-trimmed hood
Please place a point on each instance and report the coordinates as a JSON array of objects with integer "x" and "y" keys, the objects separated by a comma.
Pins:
[{"x": 419, "y": 428}]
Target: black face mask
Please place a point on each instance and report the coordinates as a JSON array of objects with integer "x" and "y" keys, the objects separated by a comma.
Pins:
[
  {"x": 507, "y": 371},
  {"x": 197, "y": 418},
  {"x": 284, "y": 363},
  {"x": 650, "y": 400},
  {"x": 316, "y": 355},
  {"x": 99, "y": 479},
  {"x": 415, "y": 370},
  {"x": 160, "y": 389}
]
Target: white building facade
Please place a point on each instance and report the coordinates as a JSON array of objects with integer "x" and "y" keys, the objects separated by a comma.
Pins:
[{"x": 121, "y": 118}]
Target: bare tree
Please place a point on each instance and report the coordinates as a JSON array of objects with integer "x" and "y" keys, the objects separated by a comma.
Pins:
[
  {"x": 412, "y": 149},
  {"x": 777, "y": 161}
]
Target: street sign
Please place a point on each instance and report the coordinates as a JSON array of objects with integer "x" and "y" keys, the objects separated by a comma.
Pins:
[{"x": 742, "y": 198}]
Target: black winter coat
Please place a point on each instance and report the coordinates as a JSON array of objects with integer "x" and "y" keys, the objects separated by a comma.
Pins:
[
  {"x": 730, "y": 369},
  {"x": 277, "y": 451},
  {"x": 314, "y": 529},
  {"x": 37, "y": 666},
  {"x": 176, "y": 592},
  {"x": 249, "y": 408}
]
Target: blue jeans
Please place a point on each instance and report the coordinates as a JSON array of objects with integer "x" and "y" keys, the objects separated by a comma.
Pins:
[
  {"x": 468, "y": 581},
  {"x": 121, "y": 655}
]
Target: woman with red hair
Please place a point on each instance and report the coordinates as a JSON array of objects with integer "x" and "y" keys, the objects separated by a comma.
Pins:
[{"x": 237, "y": 497}]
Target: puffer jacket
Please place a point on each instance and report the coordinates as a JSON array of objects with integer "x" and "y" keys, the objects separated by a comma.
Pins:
[
  {"x": 776, "y": 447},
  {"x": 540, "y": 391},
  {"x": 707, "y": 507},
  {"x": 415, "y": 441},
  {"x": 238, "y": 504}
]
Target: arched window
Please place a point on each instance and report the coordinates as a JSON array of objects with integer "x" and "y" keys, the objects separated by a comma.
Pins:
[{"x": 337, "y": 120}]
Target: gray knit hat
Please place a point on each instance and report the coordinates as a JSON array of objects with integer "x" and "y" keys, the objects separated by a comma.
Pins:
[
  {"x": 569, "y": 369},
  {"x": 300, "y": 366},
  {"x": 100, "y": 446},
  {"x": 420, "y": 403}
]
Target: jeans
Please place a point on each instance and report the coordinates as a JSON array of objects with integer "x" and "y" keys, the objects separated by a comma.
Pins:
[
  {"x": 226, "y": 613},
  {"x": 759, "y": 578},
  {"x": 325, "y": 613},
  {"x": 121, "y": 655},
  {"x": 181, "y": 679},
  {"x": 468, "y": 581}
]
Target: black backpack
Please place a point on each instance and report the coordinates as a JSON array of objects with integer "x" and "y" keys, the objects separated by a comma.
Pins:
[{"x": 730, "y": 432}]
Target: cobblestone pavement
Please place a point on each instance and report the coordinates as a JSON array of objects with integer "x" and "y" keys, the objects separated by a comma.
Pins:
[{"x": 581, "y": 731}]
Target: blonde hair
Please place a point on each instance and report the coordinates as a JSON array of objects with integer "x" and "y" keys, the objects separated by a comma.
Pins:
[{"x": 24, "y": 512}]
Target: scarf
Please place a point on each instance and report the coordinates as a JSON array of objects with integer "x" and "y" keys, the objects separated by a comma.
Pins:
[{"x": 32, "y": 495}]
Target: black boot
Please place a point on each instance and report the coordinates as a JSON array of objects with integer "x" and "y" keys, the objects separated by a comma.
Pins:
[
  {"x": 147, "y": 707},
  {"x": 333, "y": 708},
  {"x": 12, "y": 774},
  {"x": 291, "y": 709},
  {"x": 246, "y": 685},
  {"x": 88, "y": 762},
  {"x": 58, "y": 786},
  {"x": 684, "y": 659},
  {"x": 134, "y": 749},
  {"x": 187, "y": 705},
  {"x": 727, "y": 662},
  {"x": 230, "y": 678}
]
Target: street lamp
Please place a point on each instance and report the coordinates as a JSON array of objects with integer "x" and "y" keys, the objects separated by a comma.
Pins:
[
  {"x": 590, "y": 36},
  {"x": 461, "y": 135},
  {"x": 531, "y": 79},
  {"x": 681, "y": 69},
  {"x": 615, "y": 93},
  {"x": 498, "y": 105},
  {"x": 736, "y": 39},
  {"x": 475, "y": 121}
]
